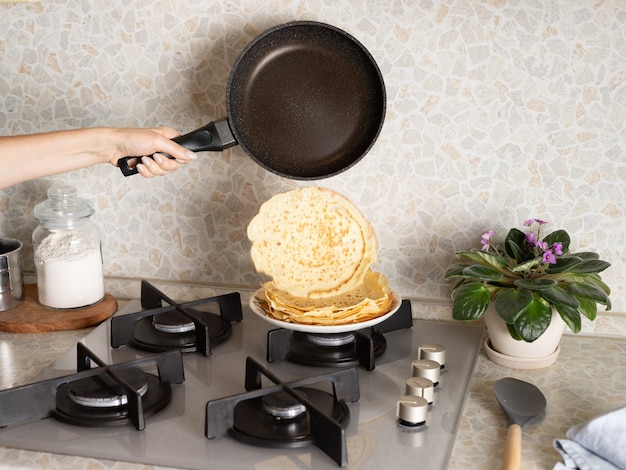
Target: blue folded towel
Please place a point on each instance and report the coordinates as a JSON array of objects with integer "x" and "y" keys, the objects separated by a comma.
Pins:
[{"x": 598, "y": 444}]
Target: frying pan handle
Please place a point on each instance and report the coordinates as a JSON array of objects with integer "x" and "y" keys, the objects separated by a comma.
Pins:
[{"x": 215, "y": 136}]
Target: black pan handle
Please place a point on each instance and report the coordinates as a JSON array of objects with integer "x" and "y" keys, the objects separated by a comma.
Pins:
[{"x": 215, "y": 136}]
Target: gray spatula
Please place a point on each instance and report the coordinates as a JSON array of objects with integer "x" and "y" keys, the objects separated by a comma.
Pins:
[{"x": 521, "y": 401}]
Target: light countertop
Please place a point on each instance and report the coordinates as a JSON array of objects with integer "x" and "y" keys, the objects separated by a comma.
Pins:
[{"x": 587, "y": 380}]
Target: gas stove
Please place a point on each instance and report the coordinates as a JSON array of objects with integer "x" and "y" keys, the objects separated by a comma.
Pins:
[{"x": 231, "y": 391}]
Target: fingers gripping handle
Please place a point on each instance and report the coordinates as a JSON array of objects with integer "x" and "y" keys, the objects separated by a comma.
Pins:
[
  {"x": 215, "y": 136},
  {"x": 128, "y": 165},
  {"x": 205, "y": 138}
]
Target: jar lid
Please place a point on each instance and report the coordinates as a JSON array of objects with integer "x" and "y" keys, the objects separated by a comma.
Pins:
[{"x": 63, "y": 208}]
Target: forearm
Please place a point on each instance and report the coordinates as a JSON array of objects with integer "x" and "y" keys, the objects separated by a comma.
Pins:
[
  {"x": 27, "y": 157},
  {"x": 33, "y": 156}
]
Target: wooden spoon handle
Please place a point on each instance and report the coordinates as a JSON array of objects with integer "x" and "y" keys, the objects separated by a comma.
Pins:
[{"x": 513, "y": 448}]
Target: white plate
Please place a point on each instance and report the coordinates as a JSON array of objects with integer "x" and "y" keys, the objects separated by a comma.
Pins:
[{"x": 255, "y": 305}]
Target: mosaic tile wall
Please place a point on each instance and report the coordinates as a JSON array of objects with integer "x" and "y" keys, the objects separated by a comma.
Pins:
[{"x": 497, "y": 111}]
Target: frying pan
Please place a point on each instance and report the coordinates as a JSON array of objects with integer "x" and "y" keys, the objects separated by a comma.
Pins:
[{"x": 305, "y": 100}]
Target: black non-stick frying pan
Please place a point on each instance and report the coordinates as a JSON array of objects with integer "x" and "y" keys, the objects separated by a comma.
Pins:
[{"x": 305, "y": 100}]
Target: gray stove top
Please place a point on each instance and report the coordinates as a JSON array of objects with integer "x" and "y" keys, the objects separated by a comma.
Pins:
[{"x": 175, "y": 436}]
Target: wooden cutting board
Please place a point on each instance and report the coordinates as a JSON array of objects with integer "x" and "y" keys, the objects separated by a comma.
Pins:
[{"x": 32, "y": 317}]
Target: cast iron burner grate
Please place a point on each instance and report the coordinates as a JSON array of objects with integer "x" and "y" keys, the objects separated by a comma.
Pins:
[
  {"x": 106, "y": 395},
  {"x": 287, "y": 415},
  {"x": 184, "y": 327},
  {"x": 348, "y": 349}
]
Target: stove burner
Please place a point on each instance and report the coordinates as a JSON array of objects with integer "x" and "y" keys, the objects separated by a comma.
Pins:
[
  {"x": 103, "y": 391},
  {"x": 94, "y": 412},
  {"x": 349, "y": 349},
  {"x": 281, "y": 405},
  {"x": 338, "y": 339},
  {"x": 174, "y": 322},
  {"x": 153, "y": 338},
  {"x": 254, "y": 424},
  {"x": 287, "y": 415},
  {"x": 184, "y": 327},
  {"x": 336, "y": 351},
  {"x": 106, "y": 395}
]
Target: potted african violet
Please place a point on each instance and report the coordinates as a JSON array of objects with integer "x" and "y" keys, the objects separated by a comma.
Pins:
[{"x": 528, "y": 288}]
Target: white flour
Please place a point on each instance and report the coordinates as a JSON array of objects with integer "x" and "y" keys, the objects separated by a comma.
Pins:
[{"x": 69, "y": 270}]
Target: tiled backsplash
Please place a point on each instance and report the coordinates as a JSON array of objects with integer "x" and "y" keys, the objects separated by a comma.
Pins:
[{"x": 497, "y": 111}]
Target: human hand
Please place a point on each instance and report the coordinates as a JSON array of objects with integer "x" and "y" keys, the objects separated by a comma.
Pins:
[{"x": 151, "y": 146}]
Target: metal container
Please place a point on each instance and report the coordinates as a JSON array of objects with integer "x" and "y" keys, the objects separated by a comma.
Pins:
[{"x": 11, "y": 274}]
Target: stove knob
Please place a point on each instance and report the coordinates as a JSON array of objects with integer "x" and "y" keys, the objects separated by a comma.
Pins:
[
  {"x": 427, "y": 369},
  {"x": 411, "y": 410},
  {"x": 421, "y": 387},
  {"x": 433, "y": 352}
]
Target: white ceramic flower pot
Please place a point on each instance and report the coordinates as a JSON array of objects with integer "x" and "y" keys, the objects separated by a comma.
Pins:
[{"x": 520, "y": 354}]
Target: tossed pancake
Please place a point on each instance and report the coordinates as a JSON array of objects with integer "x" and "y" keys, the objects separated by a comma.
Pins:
[{"x": 313, "y": 242}]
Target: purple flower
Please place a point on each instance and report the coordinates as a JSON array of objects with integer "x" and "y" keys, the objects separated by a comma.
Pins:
[
  {"x": 548, "y": 257},
  {"x": 484, "y": 241},
  {"x": 529, "y": 222},
  {"x": 543, "y": 245},
  {"x": 531, "y": 239},
  {"x": 558, "y": 248}
]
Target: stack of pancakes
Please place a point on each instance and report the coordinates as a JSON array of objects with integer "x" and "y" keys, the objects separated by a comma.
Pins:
[{"x": 318, "y": 249}]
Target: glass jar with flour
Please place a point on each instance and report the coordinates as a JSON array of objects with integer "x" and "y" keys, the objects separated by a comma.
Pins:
[{"x": 67, "y": 251}]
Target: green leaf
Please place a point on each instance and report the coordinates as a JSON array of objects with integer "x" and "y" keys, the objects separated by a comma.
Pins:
[
  {"x": 514, "y": 251},
  {"x": 457, "y": 283},
  {"x": 534, "y": 284},
  {"x": 481, "y": 257},
  {"x": 531, "y": 324},
  {"x": 588, "y": 308},
  {"x": 560, "y": 236},
  {"x": 558, "y": 296},
  {"x": 483, "y": 273},
  {"x": 455, "y": 271},
  {"x": 514, "y": 245},
  {"x": 589, "y": 291},
  {"x": 511, "y": 303},
  {"x": 527, "y": 266},
  {"x": 513, "y": 332},
  {"x": 564, "y": 264},
  {"x": 585, "y": 255},
  {"x": 597, "y": 281},
  {"x": 590, "y": 266},
  {"x": 470, "y": 301},
  {"x": 570, "y": 316}
]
